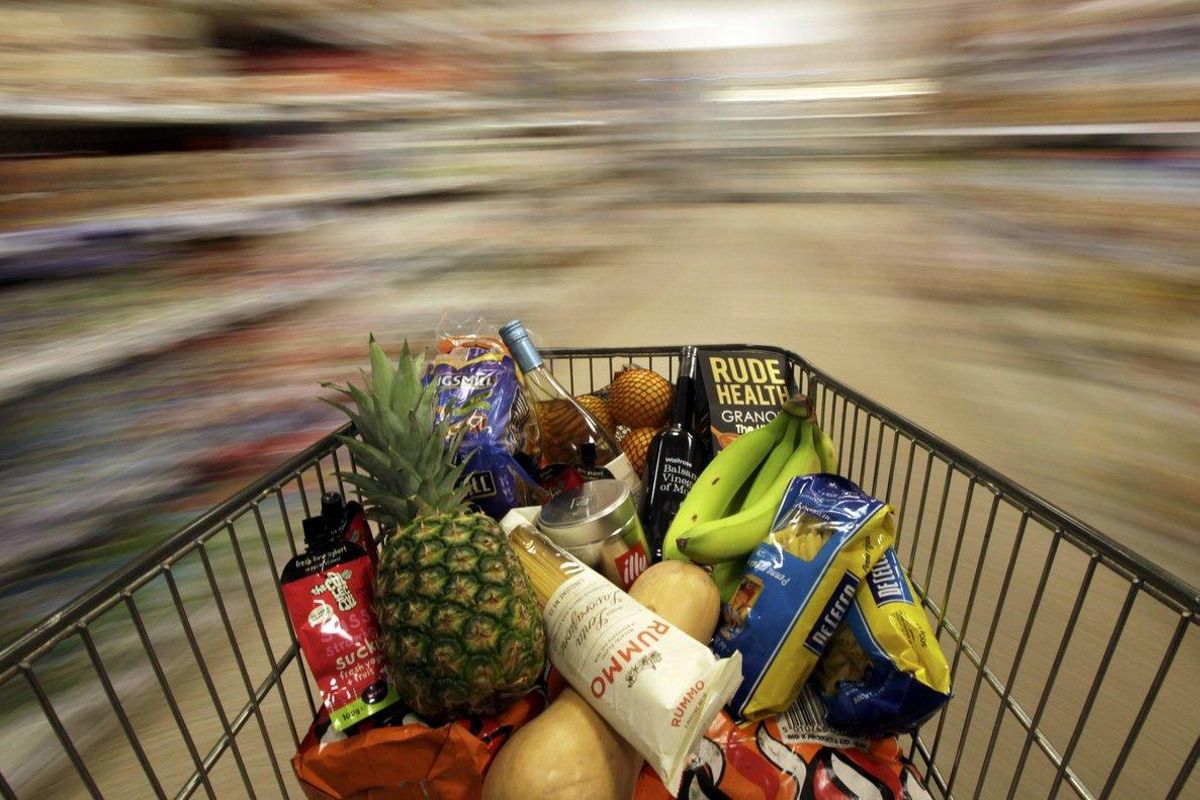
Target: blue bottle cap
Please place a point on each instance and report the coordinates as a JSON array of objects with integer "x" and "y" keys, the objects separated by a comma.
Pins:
[{"x": 516, "y": 338}]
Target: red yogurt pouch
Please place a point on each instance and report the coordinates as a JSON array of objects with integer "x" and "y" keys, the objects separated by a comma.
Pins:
[{"x": 328, "y": 593}]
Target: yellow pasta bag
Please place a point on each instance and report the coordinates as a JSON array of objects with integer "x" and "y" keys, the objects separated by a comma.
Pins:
[
  {"x": 798, "y": 586},
  {"x": 884, "y": 672}
]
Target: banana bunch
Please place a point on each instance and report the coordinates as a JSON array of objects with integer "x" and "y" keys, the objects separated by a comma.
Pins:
[{"x": 730, "y": 508}]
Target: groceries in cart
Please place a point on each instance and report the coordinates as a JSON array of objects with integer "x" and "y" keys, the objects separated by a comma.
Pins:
[
  {"x": 598, "y": 524},
  {"x": 574, "y": 446},
  {"x": 397, "y": 749},
  {"x": 791, "y": 755},
  {"x": 743, "y": 390},
  {"x": 348, "y": 521},
  {"x": 478, "y": 591},
  {"x": 639, "y": 660},
  {"x": 459, "y": 623},
  {"x": 674, "y": 459}
]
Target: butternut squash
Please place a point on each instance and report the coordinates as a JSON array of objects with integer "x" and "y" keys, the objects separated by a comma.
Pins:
[
  {"x": 681, "y": 593},
  {"x": 569, "y": 752}
]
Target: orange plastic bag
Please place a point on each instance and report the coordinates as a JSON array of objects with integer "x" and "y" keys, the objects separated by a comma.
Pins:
[
  {"x": 761, "y": 761},
  {"x": 409, "y": 762}
]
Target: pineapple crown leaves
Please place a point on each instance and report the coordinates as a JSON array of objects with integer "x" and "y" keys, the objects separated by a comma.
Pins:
[{"x": 407, "y": 453}]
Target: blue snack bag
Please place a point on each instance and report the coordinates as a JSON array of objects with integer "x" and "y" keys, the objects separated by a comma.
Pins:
[
  {"x": 798, "y": 586},
  {"x": 884, "y": 672},
  {"x": 477, "y": 389}
]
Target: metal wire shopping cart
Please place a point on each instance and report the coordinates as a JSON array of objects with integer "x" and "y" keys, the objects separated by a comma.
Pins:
[{"x": 1074, "y": 660}]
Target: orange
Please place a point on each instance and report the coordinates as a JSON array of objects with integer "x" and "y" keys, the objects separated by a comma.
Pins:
[
  {"x": 640, "y": 398},
  {"x": 636, "y": 446},
  {"x": 598, "y": 408}
]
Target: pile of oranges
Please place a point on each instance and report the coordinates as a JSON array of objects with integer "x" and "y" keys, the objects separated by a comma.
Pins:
[{"x": 637, "y": 405}]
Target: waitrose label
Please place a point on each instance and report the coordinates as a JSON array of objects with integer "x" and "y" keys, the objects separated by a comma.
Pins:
[{"x": 742, "y": 390}]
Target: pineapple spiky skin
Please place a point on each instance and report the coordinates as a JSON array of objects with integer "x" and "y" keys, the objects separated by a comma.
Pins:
[
  {"x": 458, "y": 638},
  {"x": 459, "y": 623}
]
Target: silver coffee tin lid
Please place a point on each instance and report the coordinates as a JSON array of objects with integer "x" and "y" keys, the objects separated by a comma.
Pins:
[{"x": 588, "y": 514}]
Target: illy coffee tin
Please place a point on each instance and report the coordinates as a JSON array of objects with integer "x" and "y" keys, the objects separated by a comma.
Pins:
[{"x": 598, "y": 524}]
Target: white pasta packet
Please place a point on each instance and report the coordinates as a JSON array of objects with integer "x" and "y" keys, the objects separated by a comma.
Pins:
[{"x": 656, "y": 686}]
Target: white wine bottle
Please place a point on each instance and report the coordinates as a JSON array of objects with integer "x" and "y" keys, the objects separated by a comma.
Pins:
[{"x": 568, "y": 435}]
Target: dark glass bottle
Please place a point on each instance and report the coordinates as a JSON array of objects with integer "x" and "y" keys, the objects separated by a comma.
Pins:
[{"x": 674, "y": 461}]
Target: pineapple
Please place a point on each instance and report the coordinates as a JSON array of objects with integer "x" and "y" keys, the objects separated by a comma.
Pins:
[{"x": 459, "y": 622}]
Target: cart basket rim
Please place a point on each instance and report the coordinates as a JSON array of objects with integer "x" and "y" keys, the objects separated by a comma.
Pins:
[{"x": 1140, "y": 569}]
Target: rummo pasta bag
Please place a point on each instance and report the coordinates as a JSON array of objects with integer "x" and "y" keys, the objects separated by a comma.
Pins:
[{"x": 654, "y": 684}]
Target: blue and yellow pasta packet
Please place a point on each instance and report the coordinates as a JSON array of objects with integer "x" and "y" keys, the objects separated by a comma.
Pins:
[
  {"x": 798, "y": 586},
  {"x": 884, "y": 672}
]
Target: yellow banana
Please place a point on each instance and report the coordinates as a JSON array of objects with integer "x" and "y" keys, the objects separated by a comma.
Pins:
[
  {"x": 718, "y": 484},
  {"x": 737, "y": 535},
  {"x": 825, "y": 449}
]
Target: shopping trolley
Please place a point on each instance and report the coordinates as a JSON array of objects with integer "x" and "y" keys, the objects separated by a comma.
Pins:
[{"x": 1075, "y": 661}]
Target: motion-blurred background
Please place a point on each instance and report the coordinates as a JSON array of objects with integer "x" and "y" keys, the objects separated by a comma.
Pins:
[{"x": 984, "y": 214}]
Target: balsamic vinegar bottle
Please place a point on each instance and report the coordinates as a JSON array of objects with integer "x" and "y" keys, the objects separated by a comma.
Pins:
[{"x": 674, "y": 461}]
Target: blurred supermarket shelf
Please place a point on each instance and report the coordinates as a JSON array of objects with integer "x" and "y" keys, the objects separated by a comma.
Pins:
[
  {"x": 343, "y": 107},
  {"x": 92, "y": 324},
  {"x": 1001, "y": 133},
  {"x": 196, "y": 420},
  {"x": 984, "y": 214},
  {"x": 161, "y": 326},
  {"x": 232, "y": 216},
  {"x": 781, "y": 136},
  {"x": 225, "y": 217},
  {"x": 1138, "y": 212}
]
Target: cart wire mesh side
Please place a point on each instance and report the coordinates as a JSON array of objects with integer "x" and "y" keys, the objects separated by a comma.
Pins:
[{"x": 1074, "y": 660}]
